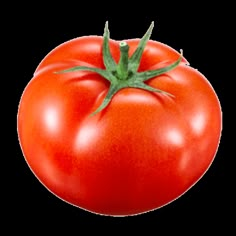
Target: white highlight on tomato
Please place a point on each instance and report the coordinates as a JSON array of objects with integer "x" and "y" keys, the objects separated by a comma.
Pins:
[
  {"x": 198, "y": 123},
  {"x": 51, "y": 119},
  {"x": 85, "y": 136},
  {"x": 175, "y": 137}
]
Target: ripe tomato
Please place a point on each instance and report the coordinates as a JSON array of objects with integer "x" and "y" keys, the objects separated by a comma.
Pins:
[{"x": 144, "y": 147}]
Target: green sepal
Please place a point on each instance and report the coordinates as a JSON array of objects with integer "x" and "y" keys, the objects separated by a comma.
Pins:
[
  {"x": 146, "y": 75},
  {"x": 125, "y": 74},
  {"x": 108, "y": 60},
  {"x": 136, "y": 56}
]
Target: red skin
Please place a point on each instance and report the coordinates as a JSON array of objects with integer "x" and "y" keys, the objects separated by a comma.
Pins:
[{"x": 141, "y": 152}]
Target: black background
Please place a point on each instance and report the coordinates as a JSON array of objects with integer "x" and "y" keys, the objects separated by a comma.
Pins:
[{"x": 199, "y": 31}]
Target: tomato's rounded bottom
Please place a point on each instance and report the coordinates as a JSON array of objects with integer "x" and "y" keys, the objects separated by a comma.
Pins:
[{"x": 127, "y": 212}]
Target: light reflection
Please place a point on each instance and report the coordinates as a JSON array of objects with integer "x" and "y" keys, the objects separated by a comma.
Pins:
[
  {"x": 184, "y": 162},
  {"x": 85, "y": 136},
  {"x": 175, "y": 137},
  {"x": 51, "y": 119},
  {"x": 198, "y": 123}
]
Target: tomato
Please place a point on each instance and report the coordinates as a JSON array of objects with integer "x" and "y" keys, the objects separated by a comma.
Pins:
[{"x": 149, "y": 142}]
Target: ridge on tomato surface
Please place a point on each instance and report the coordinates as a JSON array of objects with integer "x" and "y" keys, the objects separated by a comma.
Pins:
[{"x": 118, "y": 128}]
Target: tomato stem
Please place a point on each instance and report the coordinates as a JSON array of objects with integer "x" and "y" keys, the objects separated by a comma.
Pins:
[{"x": 122, "y": 67}]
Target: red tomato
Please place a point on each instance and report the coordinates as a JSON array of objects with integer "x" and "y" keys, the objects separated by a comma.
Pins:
[{"x": 141, "y": 152}]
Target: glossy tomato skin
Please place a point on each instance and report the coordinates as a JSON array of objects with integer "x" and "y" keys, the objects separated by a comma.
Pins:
[{"x": 141, "y": 152}]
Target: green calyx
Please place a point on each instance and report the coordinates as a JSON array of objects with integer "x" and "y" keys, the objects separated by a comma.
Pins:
[{"x": 124, "y": 74}]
